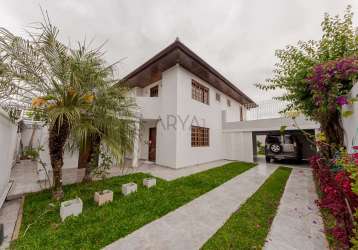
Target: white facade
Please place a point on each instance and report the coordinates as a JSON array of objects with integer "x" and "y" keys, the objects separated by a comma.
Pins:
[
  {"x": 173, "y": 113},
  {"x": 350, "y": 124},
  {"x": 8, "y": 150}
]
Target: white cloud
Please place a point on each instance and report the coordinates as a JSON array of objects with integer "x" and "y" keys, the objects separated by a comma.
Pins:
[{"x": 237, "y": 37}]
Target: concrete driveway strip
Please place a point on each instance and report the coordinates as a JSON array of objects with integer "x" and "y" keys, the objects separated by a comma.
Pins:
[
  {"x": 191, "y": 225},
  {"x": 298, "y": 223}
]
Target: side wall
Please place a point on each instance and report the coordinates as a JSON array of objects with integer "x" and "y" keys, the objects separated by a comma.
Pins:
[
  {"x": 8, "y": 147},
  {"x": 350, "y": 123},
  {"x": 41, "y": 138},
  {"x": 238, "y": 146}
]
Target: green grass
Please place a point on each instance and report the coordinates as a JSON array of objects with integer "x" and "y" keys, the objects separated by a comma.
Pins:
[
  {"x": 248, "y": 227},
  {"x": 98, "y": 226}
]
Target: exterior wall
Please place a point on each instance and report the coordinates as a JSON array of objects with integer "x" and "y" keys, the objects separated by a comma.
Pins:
[
  {"x": 70, "y": 160},
  {"x": 350, "y": 124},
  {"x": 192, "y": 112},
  {"x": 166, "y": 134},
  {"x": 176, "y": 111},
  {"x": 238, "y": 146},
  {"x": 8, "y": 148}
]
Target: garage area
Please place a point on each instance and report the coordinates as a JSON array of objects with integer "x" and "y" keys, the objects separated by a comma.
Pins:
[{"x": 291, "y": 146}]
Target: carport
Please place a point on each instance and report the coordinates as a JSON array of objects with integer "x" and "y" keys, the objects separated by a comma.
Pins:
[
  {"x": 240, "y": 137},
  {"x": 306, "y": 147}
]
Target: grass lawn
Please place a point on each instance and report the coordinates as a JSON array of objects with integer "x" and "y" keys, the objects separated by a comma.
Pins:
[
  {"x": 97, "y": 227},
  {"x": 248, "y": 227}
]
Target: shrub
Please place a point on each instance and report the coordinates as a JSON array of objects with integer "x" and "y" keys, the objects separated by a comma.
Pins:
[{"x": 335, "y": 184}]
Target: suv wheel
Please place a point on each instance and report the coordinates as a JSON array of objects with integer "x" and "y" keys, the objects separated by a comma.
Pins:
[{"x": 275, "y": 148}]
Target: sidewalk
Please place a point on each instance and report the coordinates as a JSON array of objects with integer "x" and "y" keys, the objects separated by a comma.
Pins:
[{"x": 298, "y": 223}]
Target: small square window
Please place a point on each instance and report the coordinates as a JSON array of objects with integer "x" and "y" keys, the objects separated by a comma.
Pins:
[
  {"x": 154, "y": 91},
  {"x": 228, "y": 103},
  {"x": 218, "y": 97}
]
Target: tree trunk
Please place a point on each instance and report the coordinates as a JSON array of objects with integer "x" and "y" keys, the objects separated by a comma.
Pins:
[
  {"x": 85, "y": 155},
  {"x": 333, "y": 129},
  {"x": 92, "y": 151},
  {"x": 57, "y": 139}
]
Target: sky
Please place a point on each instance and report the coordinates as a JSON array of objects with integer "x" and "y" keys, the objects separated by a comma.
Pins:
[{"x": 236, "y": 37}]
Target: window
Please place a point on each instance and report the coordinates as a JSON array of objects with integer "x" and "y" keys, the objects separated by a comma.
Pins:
[
  {"x": 228, "y": 103},
  {"x": 218, "y": 97},
  {"x": 199, "y": 136},
  {"x": 154, "y": 91},
  {"x": 241, "y": 114},
  {"x": 199, "y": 92}
]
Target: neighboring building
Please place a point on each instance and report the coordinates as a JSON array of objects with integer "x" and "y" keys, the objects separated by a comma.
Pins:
[{"x": 181, "y": 100}]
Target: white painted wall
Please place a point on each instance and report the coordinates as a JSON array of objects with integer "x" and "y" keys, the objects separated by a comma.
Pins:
[
  {"x": 177, "y": 111},
  {"x": 166, "y": 135},
  {"x": 350, "y": 123},
  {"x": 238, "y": 146},
  {"x": 41, "y": 138},
  {"x": 8, "y": 148}
]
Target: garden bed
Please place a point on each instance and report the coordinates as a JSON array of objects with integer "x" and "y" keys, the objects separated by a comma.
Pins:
[{"x": 97, "y": 226}]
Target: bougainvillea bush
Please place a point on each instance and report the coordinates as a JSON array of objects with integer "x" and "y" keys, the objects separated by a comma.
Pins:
[
  {"x": 337, "y": 183},
  {"x": 315, "y": 76}
]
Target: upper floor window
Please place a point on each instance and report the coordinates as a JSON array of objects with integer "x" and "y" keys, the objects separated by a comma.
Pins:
[
  {"x": 199, "y": 92},
  {"x": 241, "y": 114},
  {"x": 228, "y": 103},
  {"x": 218, "y": 97},
  {"x": 199, "y": 136},
  {"x": 154, "y": 91}
]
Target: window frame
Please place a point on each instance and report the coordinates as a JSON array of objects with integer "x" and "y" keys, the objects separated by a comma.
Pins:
[
  {"x": 200, "y": 136},
  {"x": 199, "y": 92},
  {"x": 218, "y": 97},
  {"x": 154, "y": 91}
]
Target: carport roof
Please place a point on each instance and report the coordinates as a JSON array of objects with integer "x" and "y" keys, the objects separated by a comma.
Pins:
[{"x": 178, "y": 53}]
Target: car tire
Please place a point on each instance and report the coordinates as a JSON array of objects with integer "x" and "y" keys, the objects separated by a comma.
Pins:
[
  {"x": 275, "y": 148},
  {"x": 268, "y": 159}
]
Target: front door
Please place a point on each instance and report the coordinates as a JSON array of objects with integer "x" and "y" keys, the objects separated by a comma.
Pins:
[{"x": 152, "y": 144}]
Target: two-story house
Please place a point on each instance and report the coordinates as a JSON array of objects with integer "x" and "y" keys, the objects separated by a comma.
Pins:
[{"x": 181, "y": 99}]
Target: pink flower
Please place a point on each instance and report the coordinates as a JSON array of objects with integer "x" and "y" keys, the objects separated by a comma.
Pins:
[{"x": 342, "y": 100}]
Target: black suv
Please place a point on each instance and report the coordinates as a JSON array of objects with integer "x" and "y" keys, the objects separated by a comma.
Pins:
[{"x": 280, "y": 147}]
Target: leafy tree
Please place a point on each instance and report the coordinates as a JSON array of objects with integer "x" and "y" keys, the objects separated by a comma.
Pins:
[
  {"x": 62, "y": 84},
  {"x": 296, "y": 67}
]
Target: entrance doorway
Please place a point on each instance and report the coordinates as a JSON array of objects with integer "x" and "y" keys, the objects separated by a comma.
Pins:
[{"x": 152, "y": 144}]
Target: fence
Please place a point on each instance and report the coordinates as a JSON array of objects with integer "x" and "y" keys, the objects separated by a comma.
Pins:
[
  {"x": 266, "y": 109},
  {"x": 35, "y": 134},
  {"x": 9, "y": 144}
]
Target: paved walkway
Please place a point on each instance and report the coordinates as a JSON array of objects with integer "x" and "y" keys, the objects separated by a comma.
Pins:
[
  {"x": 298, "y": 223},
  {"x": 191, "y": 225},
  {"x": 8, "y": 217}
]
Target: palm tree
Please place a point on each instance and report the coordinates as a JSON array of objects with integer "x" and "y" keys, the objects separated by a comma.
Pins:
[
  {"x": 48, "y": 77},
  {"x": 110, "y": 119}
]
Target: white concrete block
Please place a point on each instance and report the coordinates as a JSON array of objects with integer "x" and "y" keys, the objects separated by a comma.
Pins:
[
  {"x": 129, "y": 188},
  {"x": 71, "y": 207},
  {"x": 103, "y": 197},
  {"x": 149, "y": 182}
]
